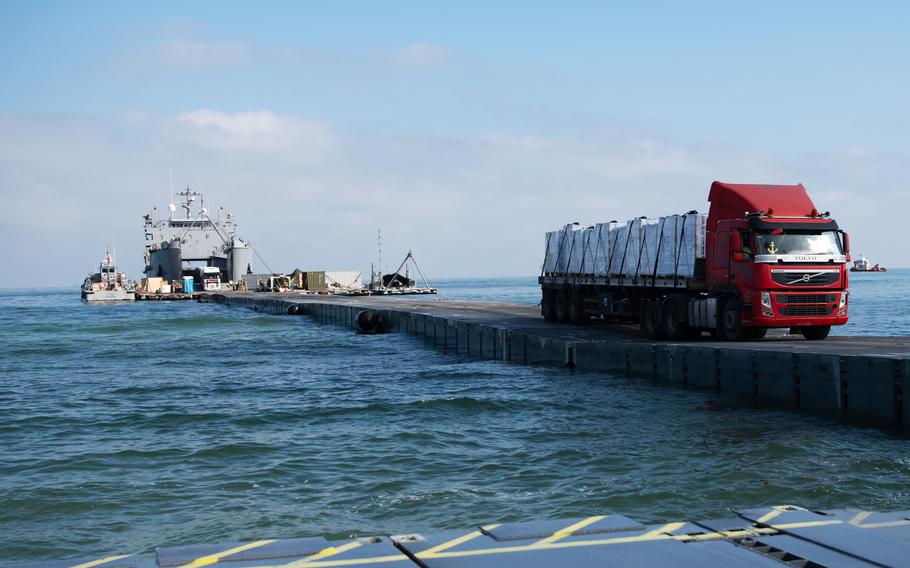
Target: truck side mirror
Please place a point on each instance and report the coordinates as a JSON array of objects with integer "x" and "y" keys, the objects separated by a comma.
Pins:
[
  {"x": 736, "y": 247},
  {"x": 846, "y": 244}
]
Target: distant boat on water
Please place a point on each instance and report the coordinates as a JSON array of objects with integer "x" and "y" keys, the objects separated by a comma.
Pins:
[
  {"x": 107, "y": 285},
  {"x": 862, "y": 264}
]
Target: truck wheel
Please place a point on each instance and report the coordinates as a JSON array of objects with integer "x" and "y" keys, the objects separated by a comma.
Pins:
[
  {"x": 671, "y": 324},
  {"x": 548, "y": 305},
  {"x": 576, "y": 309},
  {"x": 758, "y": 333},
  {"x": 649, "y": 323},
  {"x": 815, "y": 332},
  {"x": 560, "y": 306},
  {"x": 731, "y": 320}
]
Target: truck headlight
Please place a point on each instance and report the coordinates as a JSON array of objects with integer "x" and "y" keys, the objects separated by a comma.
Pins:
[
  {"x": 842, "y": 307},
  {"x": 766, "y": 310}
]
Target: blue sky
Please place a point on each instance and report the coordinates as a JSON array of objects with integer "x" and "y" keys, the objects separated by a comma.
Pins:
[{"x": 466, "y": 129}]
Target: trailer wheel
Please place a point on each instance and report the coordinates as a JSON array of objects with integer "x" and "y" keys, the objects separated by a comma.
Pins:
[
  {"x": 731, "y": 319},
  {"x": 548, "y": 305},
  {"x": 671, "y": 322},
  {"x": 649, "y": 323},
  {"x": 576, "y": 309},
  {"x": 560, "y": 306},
  {"x": 815, "y": 332}
]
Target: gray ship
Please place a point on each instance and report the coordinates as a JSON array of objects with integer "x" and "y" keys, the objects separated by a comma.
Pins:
[
  {"x": 172, "y": 243},
  {"x": 107, "y": 285}
]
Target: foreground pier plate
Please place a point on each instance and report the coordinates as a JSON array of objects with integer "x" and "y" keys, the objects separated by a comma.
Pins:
[{"x": 785, "y": 535}]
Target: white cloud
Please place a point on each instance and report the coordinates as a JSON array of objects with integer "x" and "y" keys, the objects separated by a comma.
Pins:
[
  {"x": 260, "y": 130},
  {"x": 308, "y": 195},
  {"x": 422, "y": 54}
]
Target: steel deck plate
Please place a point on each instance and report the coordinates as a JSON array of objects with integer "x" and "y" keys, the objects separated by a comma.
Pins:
[{"x": 772, "y": 536}]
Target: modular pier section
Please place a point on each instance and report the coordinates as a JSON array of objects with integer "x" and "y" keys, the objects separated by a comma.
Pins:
[
  {"x": 772, "y": 536},
  {"x": 864, "y": 377}
]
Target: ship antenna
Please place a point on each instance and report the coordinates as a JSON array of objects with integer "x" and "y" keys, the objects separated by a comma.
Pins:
[
  {"x": 379, "y": 246},
  {"x": 171, "y": 207}
]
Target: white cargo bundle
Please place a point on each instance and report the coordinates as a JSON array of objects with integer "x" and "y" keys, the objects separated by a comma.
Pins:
[
  {"x": 634, "y": 248},
  {"x": 649, "y": 235},
  {"x": 618, "y": 233},
  {"x": 601, "y": 248},
  {"x": 553, "y": 244},
  {"x": 662, "y": 248},
  {"x": 682, "y": 242},
  {"x": 572, "y": 243},
  {"x": 581, "y": 259},
  {"x": 344, "y": 279},
  {"x": 560, "y": 248}
]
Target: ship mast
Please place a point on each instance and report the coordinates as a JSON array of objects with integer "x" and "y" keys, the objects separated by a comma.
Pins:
[{"x": 189, "y": 198}]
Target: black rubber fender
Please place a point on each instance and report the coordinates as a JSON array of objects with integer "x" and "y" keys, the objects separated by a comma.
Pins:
[{"x": 370, "y": 321}]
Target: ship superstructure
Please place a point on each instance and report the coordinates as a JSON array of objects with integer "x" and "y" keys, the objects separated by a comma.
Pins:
[{"x": 173, "y": 242}]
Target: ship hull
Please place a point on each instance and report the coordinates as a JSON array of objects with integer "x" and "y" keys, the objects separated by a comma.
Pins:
[{"x": 107, "y": 296}]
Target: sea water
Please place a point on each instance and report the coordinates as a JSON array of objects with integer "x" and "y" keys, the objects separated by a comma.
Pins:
[{"x": 132, "y": 426}]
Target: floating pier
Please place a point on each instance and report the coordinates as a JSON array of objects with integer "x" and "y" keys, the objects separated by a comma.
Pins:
[
  {"x": 785, "y": 535},
  {"x": 172, "y": 297},
  {"x": 857, "y": 377}
]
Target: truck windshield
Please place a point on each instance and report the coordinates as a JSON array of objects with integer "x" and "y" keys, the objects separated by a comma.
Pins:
[{"x": 798, "y": 242}]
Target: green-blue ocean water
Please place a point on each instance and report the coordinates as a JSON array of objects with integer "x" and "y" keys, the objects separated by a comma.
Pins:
[{"x": 127, "y": 427}]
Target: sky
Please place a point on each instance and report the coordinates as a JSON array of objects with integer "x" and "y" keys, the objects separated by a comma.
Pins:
[{"x": 463, "y": 130}]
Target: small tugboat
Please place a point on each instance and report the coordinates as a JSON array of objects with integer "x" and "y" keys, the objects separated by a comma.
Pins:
[
  {"x": 107, "y": 285},
  {"x": 862, "y": 264}
]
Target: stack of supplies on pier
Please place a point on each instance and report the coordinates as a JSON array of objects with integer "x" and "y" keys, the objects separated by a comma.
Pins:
[{"x": 642, "y": 247}]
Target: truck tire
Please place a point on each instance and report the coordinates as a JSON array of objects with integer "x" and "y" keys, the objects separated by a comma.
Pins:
[
  {"x": 755, "y": 333},
  {"x": 576, "y": 309},
  {"x": 560, "y": 306},
  {"x": 731, "y": 320},
  {"x": 649, "y": 323},
  {"x": 671, "y": 324},
  {"x": 548, "y": 305},
  {"x": 815, "y": 332}
]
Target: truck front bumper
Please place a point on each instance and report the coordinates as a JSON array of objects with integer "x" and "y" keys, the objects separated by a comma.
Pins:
[{"x": 800, "y": 309}]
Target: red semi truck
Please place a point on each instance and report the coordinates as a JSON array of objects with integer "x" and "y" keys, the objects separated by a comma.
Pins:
[{"x": 764, "y": 257}]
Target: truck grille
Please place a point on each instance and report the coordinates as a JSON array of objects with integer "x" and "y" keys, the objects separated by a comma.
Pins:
[
  {"x": 806, "y": 311},
  {"x": 806, "y": 298},
  {"x": 807, "y": 278}
]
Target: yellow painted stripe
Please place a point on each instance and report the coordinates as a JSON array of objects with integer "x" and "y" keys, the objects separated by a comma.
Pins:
[
  {"x": 884, "y": 524},
  {"x": 666, "y": 529},
  {"x": 454, "y": 542},
  {"x": 324, "y": 553},
  {"x": 213, "y": 558},
  {"x": 769, "y": 515},
  {"x": 100, "y": 561},
  {"x": 563, "y": 533},
  {"x": 805, "y": 524},
  {"x": 860, "y": 517}
]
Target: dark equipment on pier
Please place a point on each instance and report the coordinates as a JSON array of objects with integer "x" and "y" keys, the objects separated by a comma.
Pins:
[{"x": 397, "y": 280}]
